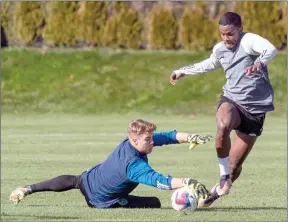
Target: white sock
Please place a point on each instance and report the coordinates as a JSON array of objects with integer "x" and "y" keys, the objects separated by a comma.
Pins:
[{"x": 224, "y": 166}]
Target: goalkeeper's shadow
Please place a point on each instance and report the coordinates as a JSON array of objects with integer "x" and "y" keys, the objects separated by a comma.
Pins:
[{"x": 241, "y": 208}]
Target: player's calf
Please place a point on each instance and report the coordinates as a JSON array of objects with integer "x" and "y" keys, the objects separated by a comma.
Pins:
[{"x": 235, "y": 173}]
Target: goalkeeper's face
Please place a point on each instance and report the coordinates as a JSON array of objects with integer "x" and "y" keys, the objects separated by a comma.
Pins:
[{"x": 144, "y": 142}]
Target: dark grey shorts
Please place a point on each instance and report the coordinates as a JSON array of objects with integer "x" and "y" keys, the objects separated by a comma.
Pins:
[{"x": 251, "y": 124}]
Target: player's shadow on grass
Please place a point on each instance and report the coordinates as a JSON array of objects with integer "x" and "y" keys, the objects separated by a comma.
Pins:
[
  {"x": 234, "y": 208},
  {"x": 241, "y": 208},
  {"x": 33, "y": 217},
  {"x": 49, "y": 205}
]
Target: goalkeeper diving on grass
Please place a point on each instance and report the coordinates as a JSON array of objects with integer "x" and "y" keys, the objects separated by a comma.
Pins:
[{"x": 108, "y": 184}]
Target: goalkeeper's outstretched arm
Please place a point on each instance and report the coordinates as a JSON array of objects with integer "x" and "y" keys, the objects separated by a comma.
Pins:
[
  {"x": 196, "y": 139},
  {"x": 182, "y": 137},
  {"x": 139, "y": 171},
  {"x": 193, "y": 139},
  {"x": 174, "y": 137}
]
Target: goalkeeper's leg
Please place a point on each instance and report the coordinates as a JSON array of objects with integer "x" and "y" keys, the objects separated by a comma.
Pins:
[
  {"x": 57, "y": 184},
  {"x": 138, "y": 202}
]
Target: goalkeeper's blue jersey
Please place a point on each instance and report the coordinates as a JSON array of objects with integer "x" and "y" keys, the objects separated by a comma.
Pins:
[{"x": 106, "y": 183}]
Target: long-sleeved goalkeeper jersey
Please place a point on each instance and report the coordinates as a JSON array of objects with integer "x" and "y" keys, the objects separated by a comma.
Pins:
[{"x": 106, "y": 183}]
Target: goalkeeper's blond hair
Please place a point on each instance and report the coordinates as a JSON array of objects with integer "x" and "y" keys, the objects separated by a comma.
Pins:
[{"x": 139, "y": 126}]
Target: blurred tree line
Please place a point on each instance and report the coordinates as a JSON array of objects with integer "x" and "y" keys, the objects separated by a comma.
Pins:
[{"x": 136, "y": 25}]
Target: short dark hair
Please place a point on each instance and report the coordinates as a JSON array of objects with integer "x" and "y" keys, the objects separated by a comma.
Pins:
[{"x": 231, "y": 18}]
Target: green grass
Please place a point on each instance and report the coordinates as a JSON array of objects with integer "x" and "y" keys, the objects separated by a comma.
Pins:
[
  {"x": 119, "y": 81},
  {"x": 38, "y": 147}
]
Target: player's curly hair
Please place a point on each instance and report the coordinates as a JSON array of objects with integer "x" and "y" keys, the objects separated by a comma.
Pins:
[{"x": 139, "y": 126}]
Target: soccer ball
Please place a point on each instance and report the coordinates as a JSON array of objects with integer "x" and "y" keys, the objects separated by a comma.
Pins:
[{"x": 182, "y": 200}]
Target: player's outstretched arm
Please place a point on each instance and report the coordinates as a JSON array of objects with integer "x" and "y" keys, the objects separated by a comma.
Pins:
[
  {"x": 193, "y": 139},
  {"x": 174, "y": 137},
  {"x": 254, "y": 44},
  {"x": 140, "y": 171},
  {"x": 205, "y": 66}
]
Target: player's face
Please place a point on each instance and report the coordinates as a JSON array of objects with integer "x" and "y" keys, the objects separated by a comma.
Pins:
[
  {"x": 230, "y": 35},
  {"x": 145, "y": 143}
]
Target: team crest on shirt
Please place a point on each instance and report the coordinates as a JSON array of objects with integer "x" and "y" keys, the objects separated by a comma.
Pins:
[
  {"x": 122, "y": 201},
  {"x": 162, "y": 186},
  {"x": 219, "y": 58}
]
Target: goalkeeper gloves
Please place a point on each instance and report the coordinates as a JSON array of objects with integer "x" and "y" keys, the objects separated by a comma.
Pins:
[
  {"x": 195, "y": 140},
  {"x": 196, "y": 188}
]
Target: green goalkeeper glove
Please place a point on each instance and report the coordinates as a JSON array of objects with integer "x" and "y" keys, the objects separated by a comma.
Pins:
[
  {"x": 196, "y": 188},
  {"x": 195, "y": 140}
]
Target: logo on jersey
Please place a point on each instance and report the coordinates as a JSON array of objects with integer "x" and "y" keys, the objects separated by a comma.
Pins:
[
  {"x": 220, "y": 57},
  {"x": 162, "y": 186},
  {"x": 122, "y": 201}
]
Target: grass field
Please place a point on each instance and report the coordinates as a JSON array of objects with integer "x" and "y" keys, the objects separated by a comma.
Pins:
[{"x": 38, "y": 147}]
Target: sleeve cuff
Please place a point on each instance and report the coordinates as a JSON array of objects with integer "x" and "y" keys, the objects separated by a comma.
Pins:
[
  {"x": 258, "y": 60},
  {"x": 173, "y": 136},
  {"x": 169, "y": 181}
]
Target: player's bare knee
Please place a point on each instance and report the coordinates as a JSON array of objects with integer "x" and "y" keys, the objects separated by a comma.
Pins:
[
  {"x": 223, "y": 128},
  {"x": 227, "y": 117}
]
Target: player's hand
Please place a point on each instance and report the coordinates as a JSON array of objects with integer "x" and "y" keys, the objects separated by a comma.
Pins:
[
  {"x": 256, "y": 67},
  {"x": 196, "y": 188},
  {"x": 175, "y": 76},
  {"x": 195, "y": 140}
]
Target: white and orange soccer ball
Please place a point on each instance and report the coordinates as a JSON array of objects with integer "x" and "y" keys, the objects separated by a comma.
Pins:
[{"x": 183, "y": 200}]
